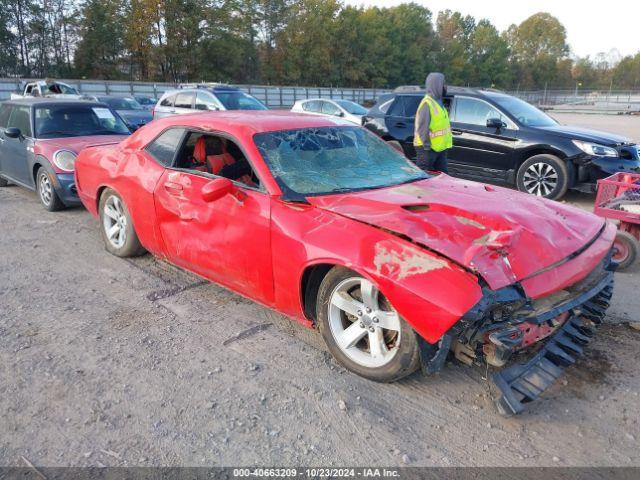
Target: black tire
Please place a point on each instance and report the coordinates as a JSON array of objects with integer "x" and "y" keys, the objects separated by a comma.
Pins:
[
  {"x": 547, "y": 163},
  {"x": 3, "y": 182},
  {"x": 626, "y": 248},
  {"x": 131, "y": 246},
  {"x": 46, "y": 192},
  {"x": 405, "y": 361},
  {"x": 395, "y": 144}
]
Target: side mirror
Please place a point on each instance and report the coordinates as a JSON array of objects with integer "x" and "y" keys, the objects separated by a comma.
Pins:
[
  {"x": 200, "y": 106},
  {"x": 495, "y": 123},
  {"x": 216, "y": 189},
  {"x": 13, "y": 132},
  {"x": 341, "y": 114}
]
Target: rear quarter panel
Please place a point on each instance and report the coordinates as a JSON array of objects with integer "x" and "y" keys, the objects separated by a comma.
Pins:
[{"x": 133, "y": 175}]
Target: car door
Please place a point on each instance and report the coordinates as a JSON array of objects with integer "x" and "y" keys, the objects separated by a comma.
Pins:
[
  {"x": 5, "y": 113},
  {"x": 329, "y": 108},
  {"x": 205, "y": 101},
  {"x": 313, "y": 106},
  {"x": 165, "y": 108},
  {"x": 227, "y": 240},
  {"x": 400, "y": 120},
  {"x": 184, "y": 102},
  {"x": 478, "y": 150},
  {"x": 16, "y": 151}
]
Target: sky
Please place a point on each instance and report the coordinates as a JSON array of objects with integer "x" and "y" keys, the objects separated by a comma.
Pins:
[{"x": 592, "y": 26}]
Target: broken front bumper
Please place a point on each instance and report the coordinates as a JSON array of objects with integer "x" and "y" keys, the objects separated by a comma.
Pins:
[
  {"x": 506, "y": 326},
  {"x": 524, "y": 382}
]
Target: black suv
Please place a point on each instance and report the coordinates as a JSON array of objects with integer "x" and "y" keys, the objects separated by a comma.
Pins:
[{"x": 498, "y": 138}]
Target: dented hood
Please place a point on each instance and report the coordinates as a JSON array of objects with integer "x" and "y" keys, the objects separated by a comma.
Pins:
[{"x": 503, "y": 235}]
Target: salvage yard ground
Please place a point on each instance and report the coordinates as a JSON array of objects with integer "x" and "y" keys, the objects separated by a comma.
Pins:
[{"x": 105, "y": 361}]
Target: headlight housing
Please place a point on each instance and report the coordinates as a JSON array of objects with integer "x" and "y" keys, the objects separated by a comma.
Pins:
[
  {"x": 65, "y": 160},
  {"x": 595, "y": 149}
]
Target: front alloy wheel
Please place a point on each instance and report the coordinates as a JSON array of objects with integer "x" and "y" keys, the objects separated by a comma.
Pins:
[
  {"x": 543, "y": 175},
  {"x": 540, "y": 179},
  {"x": 48, "y": 196},
  {"x": 362, "y": 329},
  {"x": 366, "y": 333}
]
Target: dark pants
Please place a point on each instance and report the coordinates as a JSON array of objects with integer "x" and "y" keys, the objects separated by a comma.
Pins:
[{"x": 428, "y": 160}]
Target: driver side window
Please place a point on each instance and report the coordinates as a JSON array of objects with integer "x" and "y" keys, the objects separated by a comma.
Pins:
[
  {"x": 475, "y": 112},
  {"x": 21, "y": 119},
  {"x": 204, "y": 153}
]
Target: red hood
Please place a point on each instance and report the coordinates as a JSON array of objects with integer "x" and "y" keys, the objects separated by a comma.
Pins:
[
  {"x": 75, "y": 144},
  {"x": 503, "y": 235}
]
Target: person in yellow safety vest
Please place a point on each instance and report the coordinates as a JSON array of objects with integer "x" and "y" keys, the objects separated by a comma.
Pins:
[{"x": 432, "y": 138}]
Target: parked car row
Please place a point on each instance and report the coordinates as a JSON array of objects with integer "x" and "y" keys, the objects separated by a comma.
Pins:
[{"x": 320, "y": 220}]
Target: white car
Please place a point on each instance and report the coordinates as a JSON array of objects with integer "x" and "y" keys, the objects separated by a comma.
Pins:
[
  {"x": 350, "y": 111},
  {"x": 191, "y": 98},
  {"x": 47, "y": 88}
]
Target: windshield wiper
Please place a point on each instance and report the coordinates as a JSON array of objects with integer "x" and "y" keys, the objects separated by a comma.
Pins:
[
  {"x": 58, "y": 132},
  {"x": 105, "y": 132}
]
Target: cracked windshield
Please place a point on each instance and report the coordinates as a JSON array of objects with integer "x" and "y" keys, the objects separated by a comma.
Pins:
[{"x": 315, "y": 161}]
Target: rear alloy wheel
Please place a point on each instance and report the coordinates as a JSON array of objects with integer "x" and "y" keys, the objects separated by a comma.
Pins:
[
  {"x": 543, "y": 175},
  {"x": 625, "y": 249},
  {"x": 47, "y": 193},
  {"x": 362, "y": 330},
  {"x": 118, "y": 233}
]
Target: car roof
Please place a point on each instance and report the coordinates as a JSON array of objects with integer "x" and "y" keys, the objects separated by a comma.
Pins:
[
  {"x": 43, "y": 101},
  {"x": 450, "y": 91},
  {"x": 238, "y": 122},
  {"x": 221, "y": 88}
]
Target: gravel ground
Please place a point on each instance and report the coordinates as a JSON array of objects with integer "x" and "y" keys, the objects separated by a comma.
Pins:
[{"x": 105, "y": 361}]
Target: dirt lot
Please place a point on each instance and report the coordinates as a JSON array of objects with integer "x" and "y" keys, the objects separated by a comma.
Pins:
[{"x": 111, "y": 362}]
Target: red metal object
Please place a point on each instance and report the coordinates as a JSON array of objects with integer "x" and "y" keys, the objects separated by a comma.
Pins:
[
  {"x": 427, "y": 245},
  {"x": 613, "y": 193},
  {"x": 615, "y": 187}
]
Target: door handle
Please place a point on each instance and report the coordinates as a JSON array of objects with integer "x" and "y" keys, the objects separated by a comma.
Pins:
[
  {"x": 455, "y": 131},
  {"x": 173, "y": 188},
  {"x": 400, "y": 125}
]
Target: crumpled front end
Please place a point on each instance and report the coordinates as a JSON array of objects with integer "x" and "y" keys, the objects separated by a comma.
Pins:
[
  {"x": 533, "y": 338},
  {"x": 591, "y": 168}
]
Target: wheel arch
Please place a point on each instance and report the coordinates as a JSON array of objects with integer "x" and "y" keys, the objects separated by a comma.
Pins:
[
  {"x": 99, "y": 193},
  {"x": 540, "y": 150},
  {"x": 39, "y": 161},
  {"x": 311, "y": 278}
]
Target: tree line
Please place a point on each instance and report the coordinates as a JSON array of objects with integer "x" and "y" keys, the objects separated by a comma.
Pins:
[{"x": 292, "y": 42}]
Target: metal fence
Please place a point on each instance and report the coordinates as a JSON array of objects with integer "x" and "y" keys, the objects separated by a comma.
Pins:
[
  {"x": 574, "y": 100},
  {"x": 272, "y": 96}
]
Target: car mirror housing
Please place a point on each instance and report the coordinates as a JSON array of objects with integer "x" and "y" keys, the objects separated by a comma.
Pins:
[
  {"x": 13, "y": 132},
  {"x": 495, "y": 123},
  {"x": 216, "y": 189}
]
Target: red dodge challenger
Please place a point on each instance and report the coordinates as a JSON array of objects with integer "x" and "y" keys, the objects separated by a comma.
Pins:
[{"x": 322, "y": 221}]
